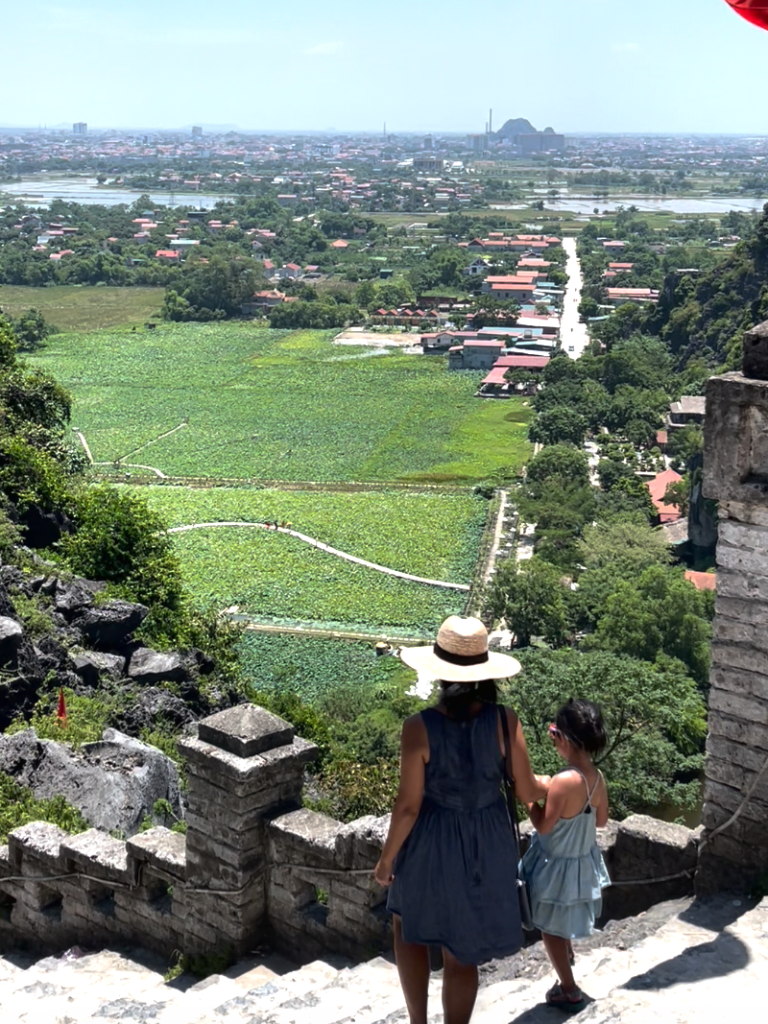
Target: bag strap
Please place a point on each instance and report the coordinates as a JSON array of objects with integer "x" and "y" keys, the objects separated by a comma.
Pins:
[{"x": 509, "y": 782}]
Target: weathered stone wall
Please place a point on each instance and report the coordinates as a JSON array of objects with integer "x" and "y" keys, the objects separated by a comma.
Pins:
[
  {"x": 736, "y": 475},
  {"x": 254, "y": 866}
]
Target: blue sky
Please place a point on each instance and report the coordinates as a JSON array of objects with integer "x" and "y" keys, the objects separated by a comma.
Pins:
[{"x": 578, "y": 65}]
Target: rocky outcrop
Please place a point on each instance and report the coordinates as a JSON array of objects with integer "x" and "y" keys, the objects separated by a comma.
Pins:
[
  {"x": 114, "y": 783},
  {"x": 90, "y": 666},
  {"x": 148, "y": 666},
  {"x": 152, "y": 705},
  {"x": 109, "y": 624}
]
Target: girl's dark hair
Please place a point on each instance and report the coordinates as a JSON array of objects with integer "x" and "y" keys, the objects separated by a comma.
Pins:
[
  {"x": 581, "y": 722},
  {"x": 458, "y": 698}
]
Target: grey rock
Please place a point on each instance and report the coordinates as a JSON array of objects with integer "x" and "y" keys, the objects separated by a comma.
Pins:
[
  {"x": 11, "y": 633},
  {"x": 52, "y": 650},
  {"x": 150, "y": 705},
  {"x": 114, "y": 783},
  {"x": 148, "y": 666},
  {"x": 74, "y": 596},
  {"x": 109, "y": 624},
  {"x": 17, "y": 697},
  {"x": 91, "y": 665}
]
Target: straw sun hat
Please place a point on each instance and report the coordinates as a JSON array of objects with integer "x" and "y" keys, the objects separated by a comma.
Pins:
[{"x": 460, "y": 654}]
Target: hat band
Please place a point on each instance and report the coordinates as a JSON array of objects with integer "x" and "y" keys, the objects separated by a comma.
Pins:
[{"x": 459, "y": 659}]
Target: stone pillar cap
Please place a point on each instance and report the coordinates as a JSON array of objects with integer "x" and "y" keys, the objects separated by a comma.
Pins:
[{"x": 245, "y": 730}]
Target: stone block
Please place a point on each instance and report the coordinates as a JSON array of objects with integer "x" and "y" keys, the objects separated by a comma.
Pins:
[
  {"x": 205, "y": 868},
  {"x": 741, "y": 683},
  {"x": 751, "y": 611},
  {"x": 359, "y": 843},
  {"x": 750, "y": 709},
  {"x": 164, "y": 850},
  {"x": 216, "y": 855},
  {"x": 742, "y": 513},
  {"x": 736, "y": 440},
  {"x": 247, "y": 774},
  {"x": 755, "y": 352},
  {"x": 746, "y": 536},
  {"x": 746, "y": 586},
  {"x": 734, "y": 631},
  {"x": 735, "y": 753},
  {"x": 739, "y": 731},
  {"x": 245, "y": 730},
  {"x": 739, "y": 657},
  {"x": 97, "y": 854},
  {"x": 304, "y": 838},
  {"x": 237, "y": 815},
  {"x": 365, "y": 895},
  {"x": 40, "y": 841},
  {"x": 240, "y": 840},
  {"x": 739, "y": 559},
  {"x": 728, "y": 799}
]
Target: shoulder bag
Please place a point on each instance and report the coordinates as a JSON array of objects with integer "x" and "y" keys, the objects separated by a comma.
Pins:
[{"x": 508, "y": 783}]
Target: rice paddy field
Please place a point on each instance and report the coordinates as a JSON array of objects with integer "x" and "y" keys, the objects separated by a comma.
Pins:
[
  {"x": 234, "y": 401},
  {"x": 280, "y": 579}
]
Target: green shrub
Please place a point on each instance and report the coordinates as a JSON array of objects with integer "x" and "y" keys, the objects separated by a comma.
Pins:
[
  {"x": 87, "y": 718},
  {"x": 19, "y": 806}
]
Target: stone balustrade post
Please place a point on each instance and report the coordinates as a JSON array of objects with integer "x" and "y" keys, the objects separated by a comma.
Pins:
[
  {"x": 245, "y": 766},
  {"x": 736, "y": 475}
]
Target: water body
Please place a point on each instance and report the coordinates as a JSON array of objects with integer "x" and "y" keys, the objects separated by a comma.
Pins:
[
  {"x": 42, "y": 191},
  {"x": 701, "y": 204}
]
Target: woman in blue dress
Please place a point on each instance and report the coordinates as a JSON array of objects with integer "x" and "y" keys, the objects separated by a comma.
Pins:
[
  {"x": 563, "y": 866},
  {"x": 449, "y": 857}
]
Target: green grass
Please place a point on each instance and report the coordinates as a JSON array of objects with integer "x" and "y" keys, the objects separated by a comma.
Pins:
[
  {"x": 83, "y": 308},
  {"x": 270, "y": 405},
  {"x": 281, "y": 579}
]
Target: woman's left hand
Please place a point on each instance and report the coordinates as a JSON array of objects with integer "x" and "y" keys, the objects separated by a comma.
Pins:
[{"x": 383, "y": 873}]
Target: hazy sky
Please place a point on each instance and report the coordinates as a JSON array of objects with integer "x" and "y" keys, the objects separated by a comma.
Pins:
[{"x": 578, "y": 65}]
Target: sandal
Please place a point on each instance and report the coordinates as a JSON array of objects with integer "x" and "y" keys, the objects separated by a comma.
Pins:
[{"x": 571, "y": 1002}]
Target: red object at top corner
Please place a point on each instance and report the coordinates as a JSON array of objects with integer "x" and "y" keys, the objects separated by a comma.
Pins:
[{"x": 754, "y": 11}]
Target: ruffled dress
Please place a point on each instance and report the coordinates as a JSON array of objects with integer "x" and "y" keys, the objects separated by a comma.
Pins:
[
  {"x": 454, "y": 883},
  {"x": 566, "y": 874}
]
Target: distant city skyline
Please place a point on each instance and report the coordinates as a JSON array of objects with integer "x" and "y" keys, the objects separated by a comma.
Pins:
[{"x": 581, "y": 66}]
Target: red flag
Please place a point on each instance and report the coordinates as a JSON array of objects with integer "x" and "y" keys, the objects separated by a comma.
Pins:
[
  {"x": 755, "y": 11},
  {"x": 61, "y": 710}
]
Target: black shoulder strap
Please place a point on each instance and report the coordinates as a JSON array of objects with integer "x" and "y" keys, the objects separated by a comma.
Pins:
[{"x": 509, "y": 782}]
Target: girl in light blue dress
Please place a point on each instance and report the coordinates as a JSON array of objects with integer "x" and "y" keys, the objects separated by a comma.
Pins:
[{"x": 563, "y": 866}]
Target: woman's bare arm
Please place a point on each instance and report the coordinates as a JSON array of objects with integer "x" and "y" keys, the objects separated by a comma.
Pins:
[
  {"x": 414, "y": 753},
  {"x": 528, "y": 787}
]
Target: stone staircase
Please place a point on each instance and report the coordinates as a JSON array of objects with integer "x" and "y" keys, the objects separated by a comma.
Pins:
[{"x": 696, "y": 963}]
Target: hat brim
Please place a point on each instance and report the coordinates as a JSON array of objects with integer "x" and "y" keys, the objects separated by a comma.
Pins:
[{"x": 424, "y": 659}]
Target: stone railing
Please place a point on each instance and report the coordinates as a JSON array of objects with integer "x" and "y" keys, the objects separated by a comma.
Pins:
[{"x": 254, "y": 866}]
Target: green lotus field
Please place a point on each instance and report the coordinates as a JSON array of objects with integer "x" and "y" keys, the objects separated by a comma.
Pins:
[{"x": 251, "y": 403}]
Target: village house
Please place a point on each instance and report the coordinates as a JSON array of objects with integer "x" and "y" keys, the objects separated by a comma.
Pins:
[
  {"x": 167, "y": 255},
  {"x": 477, "y": 268},
  {"x": 474, "y": 354},
  {"x": 618, "y": 296},
  {"x": 690, "y": 409},
  {"x": 263, "y": 301},
  {"x": 495, "y": 385}
]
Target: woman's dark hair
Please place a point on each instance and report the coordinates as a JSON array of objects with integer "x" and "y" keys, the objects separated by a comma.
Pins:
[
  {"x": 581, "y": 722},
  {"x": 458, "y": 698}
]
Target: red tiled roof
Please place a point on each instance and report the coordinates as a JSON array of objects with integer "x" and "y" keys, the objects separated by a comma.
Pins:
[
  {"x": 658, "y": 488},
  {"x": 524, "y": 362},
  {"x": 702, "y": 580}
]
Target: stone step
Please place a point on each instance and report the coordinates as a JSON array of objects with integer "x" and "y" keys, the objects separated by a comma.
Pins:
[{"x": 707, "y": 963}]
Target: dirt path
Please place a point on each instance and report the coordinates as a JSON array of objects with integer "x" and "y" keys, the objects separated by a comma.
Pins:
[{"x": 325, "y": 547}]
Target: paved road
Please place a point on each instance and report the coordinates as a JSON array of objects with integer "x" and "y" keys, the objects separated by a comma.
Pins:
[{"x": 572, "y": 333}]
